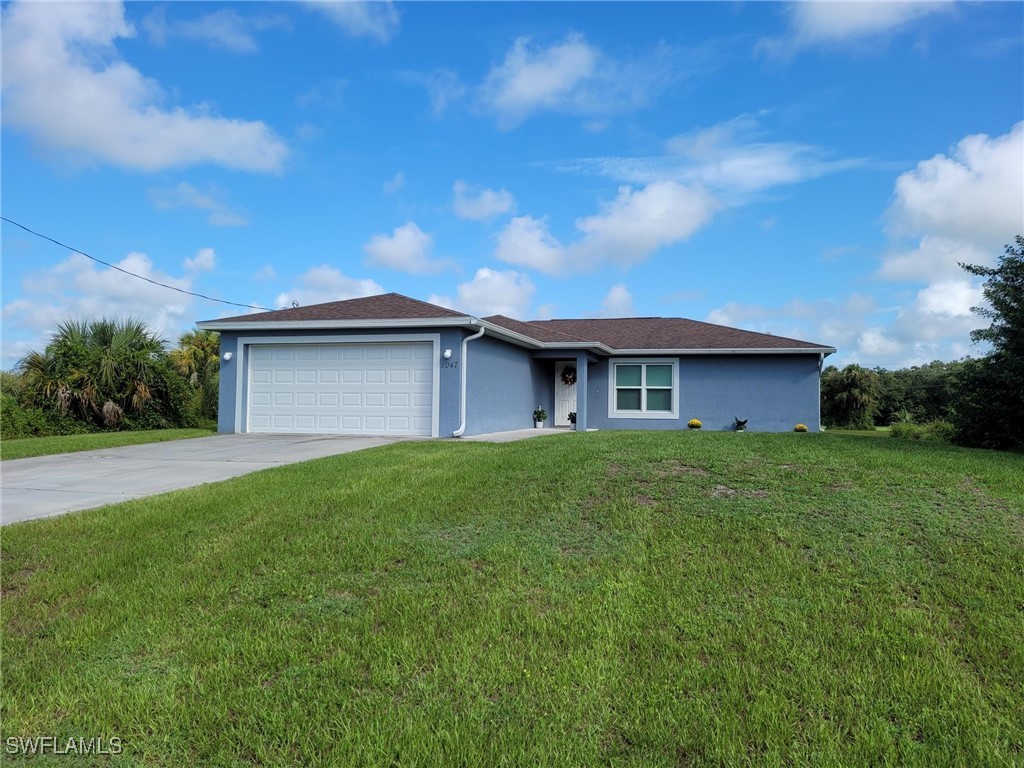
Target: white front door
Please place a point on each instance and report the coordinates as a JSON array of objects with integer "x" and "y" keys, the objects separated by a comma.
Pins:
[{"x": 565, "y": 394}]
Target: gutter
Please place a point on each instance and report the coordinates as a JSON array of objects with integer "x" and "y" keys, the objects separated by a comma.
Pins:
[
  {"x": 302, "y": 325},
  {"x": 462, "y": 391}
]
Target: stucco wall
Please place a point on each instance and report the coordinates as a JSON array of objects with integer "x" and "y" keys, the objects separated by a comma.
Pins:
[
  {"x": 234, "y": 342},
  {"x": 504, "y": 384},
  {"x": 774, "y": 392}
]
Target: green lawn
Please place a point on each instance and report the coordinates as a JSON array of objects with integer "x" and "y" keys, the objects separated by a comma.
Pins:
[
  {"x": 48, "y": 446},
  {"x": 641, "y": 599}
]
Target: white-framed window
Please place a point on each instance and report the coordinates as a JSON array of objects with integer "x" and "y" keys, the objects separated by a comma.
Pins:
[{"x": 643, "y": 389}]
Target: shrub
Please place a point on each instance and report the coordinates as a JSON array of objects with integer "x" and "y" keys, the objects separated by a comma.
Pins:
[
  {"x": 694, "y": 424},
  {"x": 941, "y": 431},
  {"x": 18, "y": 421},
  {"x": 800, "y": 428}
]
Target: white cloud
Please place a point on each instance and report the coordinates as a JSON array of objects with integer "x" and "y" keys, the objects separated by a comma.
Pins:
[
  {"x": 406, "y": 249},
  {"x": 60, "y": 60},
  {"x": 394, "y": 184},
  {"x": 934, "y": 257},
  {"x": 322, "y": 284},
  {"x": 376, "y": 19},
  {"x": 730, "y": 158},
  {"x": 530, "y": 79},
  {"x": 491, "y": 292},
  {"x": 79, "y": 288},
  {"x": 184, "y": 195},
  {"x": 265, "y": 274},
  {"x": 846, "y": 23},
  {"x": 962, "y": 208},
  {"x": 873, "y": 343},
  {"x": 574, "y": 77},
  {"x": 204, "y": 261},
  {"x": 975, "y": 194},
  {"x": 625, "y": 232},
  {"x": 940, "y": 314},
  {"x": 618, "y": 302},
  {"x": 442, "y": 85},
  {"x": 225, "y": 29},
  {"x": 527, "y": 242},
  {"x": 473, "y": 203}
]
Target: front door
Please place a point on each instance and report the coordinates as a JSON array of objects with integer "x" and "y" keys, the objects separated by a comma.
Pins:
[{"x": 565, "y": 393}]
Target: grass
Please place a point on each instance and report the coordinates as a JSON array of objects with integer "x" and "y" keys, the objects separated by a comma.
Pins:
[
  {"x": 48, "y": 446},
  {"x": 874, "y": 432},
  {"x": 634, "y": 599}
]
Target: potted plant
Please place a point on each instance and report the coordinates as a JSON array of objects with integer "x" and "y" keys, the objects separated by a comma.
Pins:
[
  {"x": 572, "y": 419},
  {"x": 539, "y": 417}
]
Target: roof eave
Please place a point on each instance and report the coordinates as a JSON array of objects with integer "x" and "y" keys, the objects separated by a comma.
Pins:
[
  {"x": 731, "y": 351},
  {"x": 311, "y": 325}
]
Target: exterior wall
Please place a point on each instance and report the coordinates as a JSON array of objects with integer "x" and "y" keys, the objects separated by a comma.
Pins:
[
  {"x": 504, "y": 384},
  {"x": 450, "y": 381},
  {"x": 774, "y": 392}
]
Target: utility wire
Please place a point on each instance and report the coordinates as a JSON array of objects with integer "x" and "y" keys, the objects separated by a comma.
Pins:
[{"x": 131, "y": 274}]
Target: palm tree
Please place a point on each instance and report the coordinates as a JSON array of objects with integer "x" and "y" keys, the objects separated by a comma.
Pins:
[
  {"x": 849, "y": 396},
  {"x": 197, "y": 358},
  {"x": 96, "y": 370}
]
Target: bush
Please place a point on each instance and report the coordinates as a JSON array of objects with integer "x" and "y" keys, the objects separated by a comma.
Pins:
[
  {"x": 941, "y": 431},
  {"x": 18, "y": 421}
]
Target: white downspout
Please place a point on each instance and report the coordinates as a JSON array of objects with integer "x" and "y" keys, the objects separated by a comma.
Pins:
[{"x": 462, "y": 393}]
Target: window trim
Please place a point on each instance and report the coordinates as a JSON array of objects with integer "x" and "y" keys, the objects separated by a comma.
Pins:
[{"x": 614, "y": 413}]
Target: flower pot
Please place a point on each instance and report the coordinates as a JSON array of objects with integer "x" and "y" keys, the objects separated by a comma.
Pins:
[{"x": 538, "y": 424}]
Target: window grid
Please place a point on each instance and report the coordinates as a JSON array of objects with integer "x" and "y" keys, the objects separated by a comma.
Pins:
[{"x": 634, "y": 395}]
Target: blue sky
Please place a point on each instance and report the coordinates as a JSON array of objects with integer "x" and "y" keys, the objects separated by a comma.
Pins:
[{"x": 813, "y": 170}]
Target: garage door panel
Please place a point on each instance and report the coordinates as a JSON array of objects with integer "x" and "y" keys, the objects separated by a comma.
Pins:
[{"x": 360, "y": 388}]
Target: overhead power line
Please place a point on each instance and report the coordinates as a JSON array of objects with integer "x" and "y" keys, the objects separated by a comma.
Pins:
[{"x": 131, "y": 274}]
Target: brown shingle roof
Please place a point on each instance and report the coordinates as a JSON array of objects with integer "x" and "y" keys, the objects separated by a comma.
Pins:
[
  {"x": 533, "y": 329},
  {"x": 386, "y": 306},
  {"x": 667, "y": 333},
  {"x": 616, "y": 333}
]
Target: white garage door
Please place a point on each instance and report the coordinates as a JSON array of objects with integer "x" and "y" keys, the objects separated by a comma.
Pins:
[{"x": 360, "y": 389}]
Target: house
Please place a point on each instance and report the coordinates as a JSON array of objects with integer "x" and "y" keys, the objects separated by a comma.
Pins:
[{"x": 392, "y": 365}]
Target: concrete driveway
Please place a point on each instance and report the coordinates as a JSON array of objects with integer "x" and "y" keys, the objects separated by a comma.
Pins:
[{"x": 52, "y": 485}]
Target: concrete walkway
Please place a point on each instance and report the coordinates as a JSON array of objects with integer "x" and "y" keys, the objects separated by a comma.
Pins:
[{"x": 53, "y": 485}]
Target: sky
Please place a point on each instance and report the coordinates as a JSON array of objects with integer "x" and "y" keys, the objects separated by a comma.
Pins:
[{"x": 811, "y": 170}]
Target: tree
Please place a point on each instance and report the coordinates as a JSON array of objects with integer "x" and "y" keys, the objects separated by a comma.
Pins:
[
  {"x": 990, "y": 406},
  {"x": 849, "y": 397},
  {"x": 197, "y": 358},
  {"x": 103, "y": 372}
]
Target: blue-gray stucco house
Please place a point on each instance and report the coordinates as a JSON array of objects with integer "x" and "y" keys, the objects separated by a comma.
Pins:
[{"x": 392, "y": 365}]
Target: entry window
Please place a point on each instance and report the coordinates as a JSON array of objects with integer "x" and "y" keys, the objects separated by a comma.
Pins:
[{"x": 644, "y": 389}]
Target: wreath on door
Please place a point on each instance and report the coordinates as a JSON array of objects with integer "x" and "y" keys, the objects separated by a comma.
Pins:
[{"x": 569, "y": 375}]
